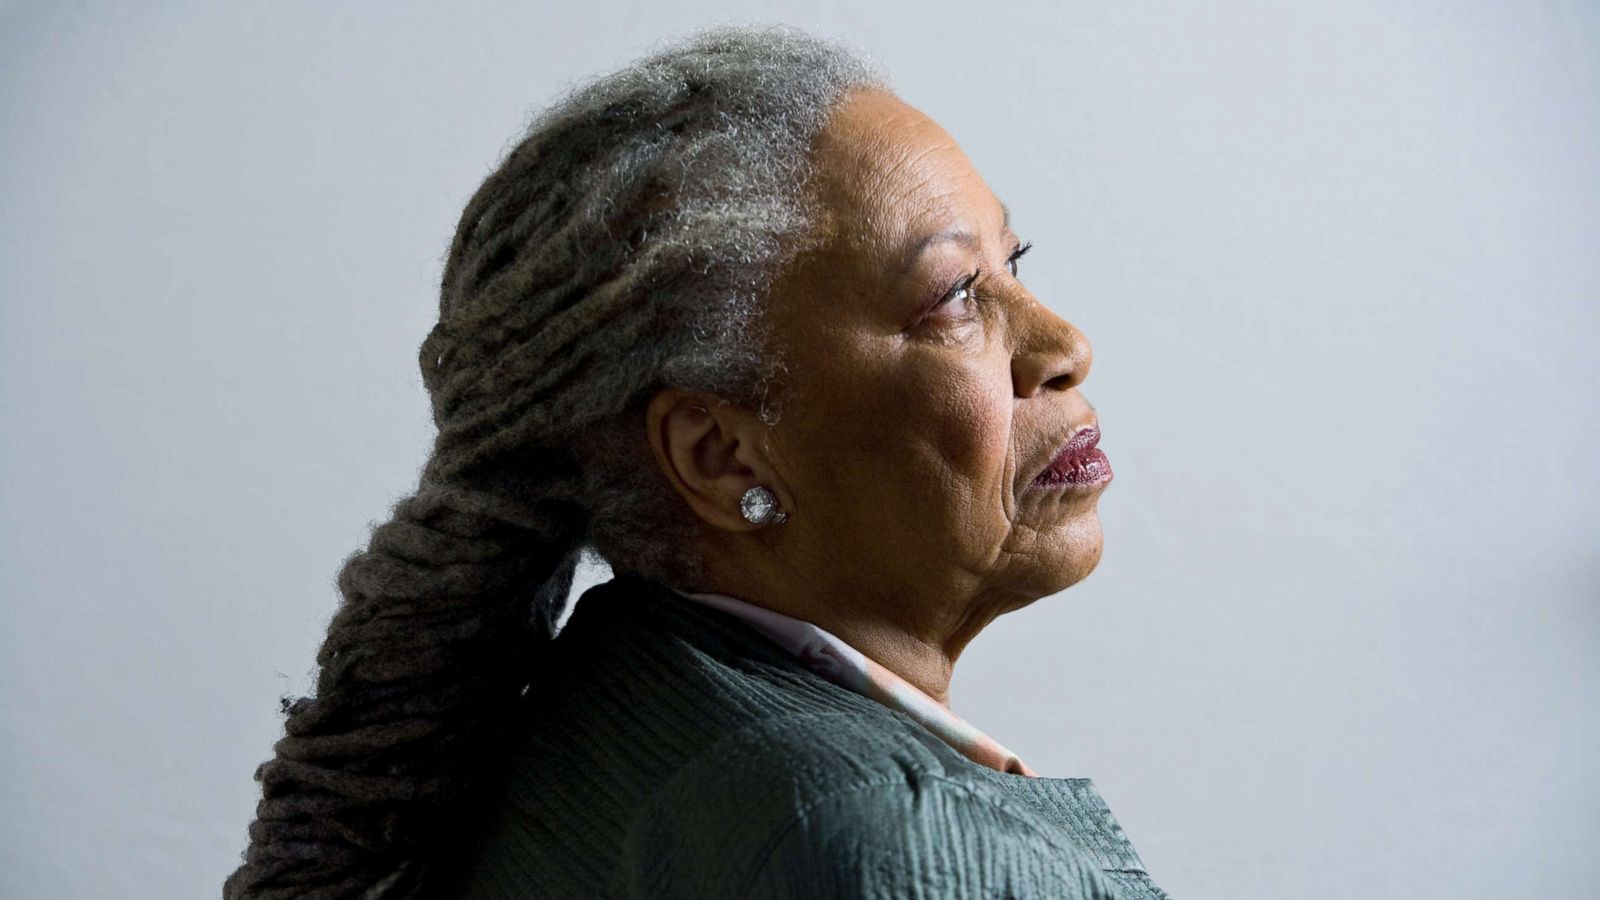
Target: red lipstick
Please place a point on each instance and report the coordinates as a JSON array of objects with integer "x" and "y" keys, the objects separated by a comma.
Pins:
[{"x": 1079, "y": 464}]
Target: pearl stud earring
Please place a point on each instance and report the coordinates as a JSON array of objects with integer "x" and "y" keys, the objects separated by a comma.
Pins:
[{"x": 759, "y": 506}]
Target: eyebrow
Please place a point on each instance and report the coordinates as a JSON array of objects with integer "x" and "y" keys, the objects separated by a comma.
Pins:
[{"x": 959, "y": 235}]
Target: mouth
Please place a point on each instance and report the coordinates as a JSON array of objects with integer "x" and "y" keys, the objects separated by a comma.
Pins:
[{"x": 1079, "y": 464}]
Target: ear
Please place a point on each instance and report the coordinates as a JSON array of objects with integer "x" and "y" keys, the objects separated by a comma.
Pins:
[{"x": 710, "y": 451}]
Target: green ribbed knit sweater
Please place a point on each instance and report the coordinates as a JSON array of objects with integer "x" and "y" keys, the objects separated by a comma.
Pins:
[{"x": 670, "y": 750}]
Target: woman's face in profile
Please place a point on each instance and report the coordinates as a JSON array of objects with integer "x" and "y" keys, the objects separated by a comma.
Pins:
[{"x": 920, "y": 404}]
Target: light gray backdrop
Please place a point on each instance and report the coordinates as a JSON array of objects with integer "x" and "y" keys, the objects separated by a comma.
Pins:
[{"x": 1338, "y": 262}]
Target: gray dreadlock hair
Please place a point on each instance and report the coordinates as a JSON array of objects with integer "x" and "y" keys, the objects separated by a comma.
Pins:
[{"x": 625, "y": 244}]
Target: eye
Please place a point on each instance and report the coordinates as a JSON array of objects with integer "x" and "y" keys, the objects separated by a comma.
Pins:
[
  {"x": 961, "y": 291},
  {"x": 1011, "y": 261}
]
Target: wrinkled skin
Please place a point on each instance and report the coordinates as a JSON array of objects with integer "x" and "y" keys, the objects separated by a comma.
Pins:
[{"x": 911, "y": 428}]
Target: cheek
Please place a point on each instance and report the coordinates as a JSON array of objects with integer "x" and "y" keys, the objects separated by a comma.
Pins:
[
  {"x": 924, "y": 435},
  {"x": 958, "y": 420},
  {"x": 970, "y": 428}
]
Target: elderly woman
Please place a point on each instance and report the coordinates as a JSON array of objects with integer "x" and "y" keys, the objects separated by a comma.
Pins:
[{"x": 744, "y": 325}]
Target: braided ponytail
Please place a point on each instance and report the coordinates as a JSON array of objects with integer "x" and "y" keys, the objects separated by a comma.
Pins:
[{"x": 623, "y": 245}]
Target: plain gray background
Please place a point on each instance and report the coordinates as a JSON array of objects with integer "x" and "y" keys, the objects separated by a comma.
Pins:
[{"x": 1338, "y": 262}]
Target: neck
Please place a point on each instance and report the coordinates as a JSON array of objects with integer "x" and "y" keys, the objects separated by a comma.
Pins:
[
  {"x": 917, "y": 641},
  {"x": 926, "y": 665}
]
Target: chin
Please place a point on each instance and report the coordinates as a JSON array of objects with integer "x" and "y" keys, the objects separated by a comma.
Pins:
[{"x": 1075, "y": 555}]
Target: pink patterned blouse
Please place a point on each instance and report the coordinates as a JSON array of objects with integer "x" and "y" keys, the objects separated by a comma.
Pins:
[{"x": 833, "y": 659}]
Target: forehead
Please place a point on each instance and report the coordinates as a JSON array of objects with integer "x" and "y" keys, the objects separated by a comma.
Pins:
[{"x": 889, "y": 174}]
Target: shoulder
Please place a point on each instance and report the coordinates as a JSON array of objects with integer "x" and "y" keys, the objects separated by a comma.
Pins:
[
  {"x": 763, "y": 774},
  {"x": 843, "y": 803},
  {"x": 929, "y": 836}
]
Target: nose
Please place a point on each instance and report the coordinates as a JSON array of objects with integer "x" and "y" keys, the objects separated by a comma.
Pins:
[{"x": 1051, "y": 355}]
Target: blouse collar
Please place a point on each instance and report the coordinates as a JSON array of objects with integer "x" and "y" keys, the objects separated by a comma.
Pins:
[{"x": 829, "y": 656}]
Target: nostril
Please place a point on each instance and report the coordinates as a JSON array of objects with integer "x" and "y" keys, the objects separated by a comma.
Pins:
[
  {"x": 1045, "y": 373},
  {"x": 1062, "y": 382}
]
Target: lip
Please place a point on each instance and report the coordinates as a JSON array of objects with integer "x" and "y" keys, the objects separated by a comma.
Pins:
[{"x": 1079, "y": 465}]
